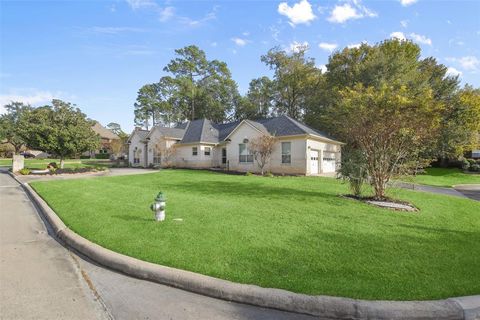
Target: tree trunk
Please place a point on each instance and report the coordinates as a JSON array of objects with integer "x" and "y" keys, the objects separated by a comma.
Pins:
[
  {"x": 443, "y": 162},
  {"x": 62, "y": 162},
  {"x": 17, "y": 148}
]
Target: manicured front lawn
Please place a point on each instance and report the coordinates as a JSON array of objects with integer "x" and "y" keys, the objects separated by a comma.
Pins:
[
  {"x": 294, "y": 233},
  {"x": 69, "y": 163},
  {"x": 445, "y": 177}
]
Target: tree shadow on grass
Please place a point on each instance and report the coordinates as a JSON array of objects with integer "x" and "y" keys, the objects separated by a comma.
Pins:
[
  {"x": 256, "y": 190},
  {"x": 127, "y": 217}
]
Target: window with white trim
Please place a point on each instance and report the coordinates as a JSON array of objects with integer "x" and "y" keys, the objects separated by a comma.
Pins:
[
  {"x": 286, "y": 152},
  {"x": 194, "y": 151},
  {"x": 207, "y": 151},
  {"x": 245, "y": 156}
]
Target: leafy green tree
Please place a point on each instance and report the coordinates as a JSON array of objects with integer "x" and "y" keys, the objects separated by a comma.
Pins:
[
  {"x": 61, "y": 130},
  {"x": 115, "y": 128},
  {"x": 460, "y": 125},
  {"x": 390, "y": 126},
  {"x": 11, "y": 124},
  {"x": 258, "y": 102},
  {"x": 204, "y": 88},
  {"x": 147, "y": 105},
  {"x": 295, "y": 80}
]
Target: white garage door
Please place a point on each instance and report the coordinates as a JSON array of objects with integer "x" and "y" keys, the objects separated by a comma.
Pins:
[
  {"x": 328, "y": 162},
  {"x": 313, "y": 162}
]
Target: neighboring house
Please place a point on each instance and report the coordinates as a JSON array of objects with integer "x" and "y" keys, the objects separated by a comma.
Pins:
[
  {"x": 106, "y": 139},
  {"x": 476, "y": 154},
  {"x": 203, "y": 144}
]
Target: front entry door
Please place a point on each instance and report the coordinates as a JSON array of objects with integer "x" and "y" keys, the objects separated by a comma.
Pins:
[{"x": 313, "y": 162}]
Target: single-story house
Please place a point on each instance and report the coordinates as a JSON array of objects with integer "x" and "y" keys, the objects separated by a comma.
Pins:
[{"x": 201, "y": 143}]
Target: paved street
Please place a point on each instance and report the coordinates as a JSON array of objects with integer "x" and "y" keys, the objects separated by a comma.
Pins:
[{"x": 40, "y": 279}]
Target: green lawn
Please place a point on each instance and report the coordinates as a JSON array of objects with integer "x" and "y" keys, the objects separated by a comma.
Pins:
[
  {"x": 294, "y": 233},
  {"x": 69, "y": 163},
  {"x": 444, "y": 177}
]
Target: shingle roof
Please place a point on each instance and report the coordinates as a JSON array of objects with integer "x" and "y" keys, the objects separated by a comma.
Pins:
[
  {"x": 204, "y": 130},
  {"x": 286, "y": 126},
  {"x": 104, "y": 132},
  {"x": 201, "y": 130},
  {"x": 176, "y": 133},
  {"x": 143, "y": 134}
]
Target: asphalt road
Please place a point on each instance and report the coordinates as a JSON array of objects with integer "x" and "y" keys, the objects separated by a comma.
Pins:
[{"x": 41, "y": 279}]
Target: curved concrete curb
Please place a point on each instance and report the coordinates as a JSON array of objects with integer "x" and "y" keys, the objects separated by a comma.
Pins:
[{"x": 322, "y": 306}]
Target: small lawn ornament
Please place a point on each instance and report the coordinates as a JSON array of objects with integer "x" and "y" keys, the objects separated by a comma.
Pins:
[{"x": 158, "y": 207}]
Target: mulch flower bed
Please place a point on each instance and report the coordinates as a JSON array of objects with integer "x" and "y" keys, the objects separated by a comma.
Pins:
[{"x": 387, "y": 203}]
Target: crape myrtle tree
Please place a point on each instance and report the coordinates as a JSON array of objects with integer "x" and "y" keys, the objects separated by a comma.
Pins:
[
  {"x": 60, "y": 129},
  {"x": 389, "y": 125},
  {"x": 262, "y": 148},
  {"x": 11, "y": 124},
  {"x": 380, "y": 100}
]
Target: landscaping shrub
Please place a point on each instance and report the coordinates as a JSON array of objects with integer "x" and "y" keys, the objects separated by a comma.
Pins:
[
  {"x": 24, "y": 171},
  {"x": 248, "y": 174},
  {"x": 354, "y": 171},
  {"x": 475, "y": 167},
  {"x": 102, "y": 156},
  {"x": 465, "y": 164},
  {"x": 84, "y": 157},
  {"x": 52, "y": 165},
  {"x": 269, "y": 174}
]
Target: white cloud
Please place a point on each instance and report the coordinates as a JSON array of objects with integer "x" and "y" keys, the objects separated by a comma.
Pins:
[
  {"x": 327, "y": 46},
  {"x": 239, "y": 41},
  {"x": 296, "y": 46},
  {"x": 299, "y": 13},
  {"x": 275, "y": 33},
  {"x": 29, "y": 96},
  {"x": 404, "y": 23},
  {"x": 469, "y": 63},
  {"x": 421, "y": 39},
  {"x": 407, "y": 2},
  {"x": 452, "y": 72},
  {"x": 114, "y": 30},
  {"x": 137, "y": 4},
  {"x": 355, "y": 45},
  {"x": 214, "y": 44},
  {"x": 166, "y": 14},
  {"x": 323, "y": 68},
  {"x": 398, "y": 35},
  {"x": 212, "y": 15},
  {"x": 353, "y": 9}
]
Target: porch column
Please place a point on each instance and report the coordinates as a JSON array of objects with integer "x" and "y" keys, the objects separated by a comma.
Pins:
[{"x": 320, "y": 159}]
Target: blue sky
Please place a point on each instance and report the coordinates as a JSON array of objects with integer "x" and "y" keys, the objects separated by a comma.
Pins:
[{"x": 97, "y": 54}]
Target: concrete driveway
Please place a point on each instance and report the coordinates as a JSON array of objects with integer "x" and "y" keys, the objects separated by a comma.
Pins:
[
  {"x": 41, "y": 279},
  {"x": 469, "y": 190}
]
